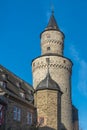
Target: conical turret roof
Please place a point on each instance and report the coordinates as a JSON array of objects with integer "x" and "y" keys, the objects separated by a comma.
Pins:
[{"x": 52, "y": 24}]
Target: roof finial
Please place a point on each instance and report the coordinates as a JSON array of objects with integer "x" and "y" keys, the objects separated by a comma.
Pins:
[{"x": 52, "y": 8}]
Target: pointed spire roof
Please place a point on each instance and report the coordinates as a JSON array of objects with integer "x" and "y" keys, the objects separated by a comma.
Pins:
[{"x": 52, "y": 24}]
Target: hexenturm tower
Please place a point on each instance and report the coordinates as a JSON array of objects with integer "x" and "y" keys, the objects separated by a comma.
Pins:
[{"x": 60, "y": 68}]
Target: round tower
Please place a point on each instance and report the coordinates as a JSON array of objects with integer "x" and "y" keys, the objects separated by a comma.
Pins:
[
  {"x": 52, "y": 38},
  {"x": 60, "y": 68}
]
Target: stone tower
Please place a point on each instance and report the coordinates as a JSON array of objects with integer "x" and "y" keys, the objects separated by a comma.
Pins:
[
  {"x": 48, "y": 103},
  {"x": 60, "y": 68}
]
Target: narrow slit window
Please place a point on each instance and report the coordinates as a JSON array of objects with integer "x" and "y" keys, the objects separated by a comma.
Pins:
[{"x": 48, "y": 48}]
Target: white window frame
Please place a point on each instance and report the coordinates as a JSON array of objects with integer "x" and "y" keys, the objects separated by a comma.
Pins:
[
  {"x": 17, "y": 113},
  {"x": 29, "y": 118},
  {"x": 3, "y": 84}
]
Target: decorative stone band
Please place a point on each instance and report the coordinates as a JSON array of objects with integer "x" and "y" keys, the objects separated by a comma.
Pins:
[
  {"x": 59, "y": 67},
  {"x": 51, "y": 65},
  {"x": 55, "y": 61},
  {"x": 52, "y": 41}
]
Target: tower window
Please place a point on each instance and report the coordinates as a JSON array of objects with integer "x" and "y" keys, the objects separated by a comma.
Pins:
[
  {"x": 66, "y": 89},
  {"x": 48, "y": 48},
  {"x": 41, "y": 120},
  {"x": 48, "y": 35},
  {"x": 64, "y": 61},
  {"x": 33, "y": 64}
]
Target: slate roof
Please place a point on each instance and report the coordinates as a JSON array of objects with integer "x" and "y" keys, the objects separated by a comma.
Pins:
[
  {"x": 52, "y": 24},
  {"x": 13, "y": 85},
  {"x": 48, "y": 83}
]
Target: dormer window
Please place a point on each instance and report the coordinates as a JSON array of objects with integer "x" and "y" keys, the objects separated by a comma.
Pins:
[
  {"x": 4, "y": 76},
  {"x": 1, "y": 70},
  {"x": 18, "y": 84},
  {"x": 3, "y": 84},
  {"x": 22, "y": 94}
]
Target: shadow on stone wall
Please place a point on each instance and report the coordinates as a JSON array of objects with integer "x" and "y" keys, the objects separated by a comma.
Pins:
[
  {"x": 63, "y": 127},
  {"x": 1, "y": 127},
  {"x": 33, "y": 128},
  {"x": 45, "y": 128}
]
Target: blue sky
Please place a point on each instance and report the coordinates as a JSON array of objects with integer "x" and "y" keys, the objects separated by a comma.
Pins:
[{"x": 22, "y": 21}]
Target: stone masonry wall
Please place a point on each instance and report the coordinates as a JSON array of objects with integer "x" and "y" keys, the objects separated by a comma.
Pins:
[
  {"x": 52, "y": 42},
  {"x": 47, "y": 102},
  {"x": 10, "y": 123},
  {"x": 60, "y": 70}
]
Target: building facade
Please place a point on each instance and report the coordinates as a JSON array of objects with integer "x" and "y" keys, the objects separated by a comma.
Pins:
[
  {"x": 48, "y": 104},
  {"x": 17, "y": 111}
]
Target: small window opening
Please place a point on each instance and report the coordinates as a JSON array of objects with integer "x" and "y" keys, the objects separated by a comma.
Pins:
[
  {"x": 41, "y": 120},
  {"x": 48, "y": 48},
  {"x": 64, "y": 61},
  {"x": 66, "y": 89}
]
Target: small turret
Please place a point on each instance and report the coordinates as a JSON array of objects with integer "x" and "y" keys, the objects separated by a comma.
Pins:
[
  {"x": 52, "y": 38},
  {"x": 48, "y": 103}
]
